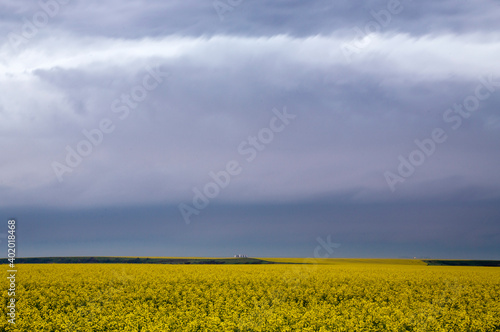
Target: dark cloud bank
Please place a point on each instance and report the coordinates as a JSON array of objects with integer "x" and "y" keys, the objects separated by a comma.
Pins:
[{"x": 272, "y": 123}]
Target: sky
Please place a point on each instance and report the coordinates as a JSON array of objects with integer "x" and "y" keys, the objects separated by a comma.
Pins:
[{"x": 265, "y": 128}]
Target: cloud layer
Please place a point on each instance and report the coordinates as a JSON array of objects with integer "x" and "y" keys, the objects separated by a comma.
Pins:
[{"x": 134, "y": 104}]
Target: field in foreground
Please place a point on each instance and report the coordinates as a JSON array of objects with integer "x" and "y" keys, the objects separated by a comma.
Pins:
[{"x": 347, "y": 296}]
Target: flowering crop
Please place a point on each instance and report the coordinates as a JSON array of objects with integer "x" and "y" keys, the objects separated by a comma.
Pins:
[{"x": 333, "y": 296}]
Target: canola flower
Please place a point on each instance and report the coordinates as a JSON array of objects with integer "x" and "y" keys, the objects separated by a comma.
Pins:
[{"x": 334, "y": 295}]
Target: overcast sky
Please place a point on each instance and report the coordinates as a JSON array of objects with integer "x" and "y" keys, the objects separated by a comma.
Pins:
[{"x": 267, "y": 128}]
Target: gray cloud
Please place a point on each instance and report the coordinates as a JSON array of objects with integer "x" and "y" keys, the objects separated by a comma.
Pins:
[
  {"x": 354, "y": 119},
  {"x": 437, "y": 229},
  {"x": 137, "y": 19}
]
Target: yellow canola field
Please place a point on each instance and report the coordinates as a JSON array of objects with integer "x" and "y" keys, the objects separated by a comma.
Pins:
[{"x": 316, "y": 297}]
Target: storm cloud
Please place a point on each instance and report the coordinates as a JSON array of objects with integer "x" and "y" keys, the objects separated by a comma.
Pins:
[{"x": 115, "y": 114}]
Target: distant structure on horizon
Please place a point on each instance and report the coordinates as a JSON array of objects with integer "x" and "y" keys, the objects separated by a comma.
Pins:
[{"x": 240, "y": 256}]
